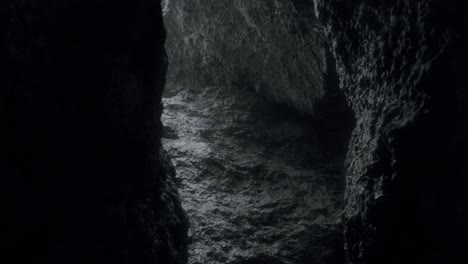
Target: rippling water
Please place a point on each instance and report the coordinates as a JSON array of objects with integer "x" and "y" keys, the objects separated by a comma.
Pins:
[{"x": 251, "y": 180}]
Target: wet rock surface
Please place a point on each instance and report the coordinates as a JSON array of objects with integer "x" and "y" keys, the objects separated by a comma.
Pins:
[
  {"x": 402, "y": 67},
  {"x": 262, "y": 45},
  {"x": 251, "y": 179}
]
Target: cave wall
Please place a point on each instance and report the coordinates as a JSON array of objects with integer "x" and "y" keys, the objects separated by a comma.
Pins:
[
  {"x": 275, "y": 48},
  {"x": 80, "y": 106},
  {"x": 402, "y": 67}
]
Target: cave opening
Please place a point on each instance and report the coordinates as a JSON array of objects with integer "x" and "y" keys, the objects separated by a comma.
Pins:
[
  {"x": 257, "y": 129},
  {"x": 256, "y": 121}
]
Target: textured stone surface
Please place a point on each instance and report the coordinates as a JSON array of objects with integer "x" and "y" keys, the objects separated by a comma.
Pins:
[
  {"x": 272, "y": 47},
  {"x": 80, "y": 101},
  {"x": 402, "y": 66}
]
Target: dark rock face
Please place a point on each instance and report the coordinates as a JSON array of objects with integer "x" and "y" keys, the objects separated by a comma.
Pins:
[
  {"x": 402, "y": 66},
  {"x": 272, "y": 47},
  {"x": 80, "y": 108}
]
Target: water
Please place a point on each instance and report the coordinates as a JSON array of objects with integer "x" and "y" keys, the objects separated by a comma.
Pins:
[{"x": 251, "y": 180}]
